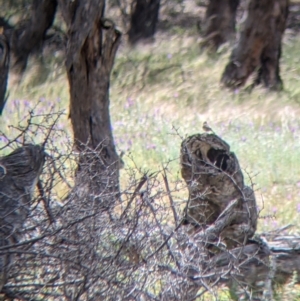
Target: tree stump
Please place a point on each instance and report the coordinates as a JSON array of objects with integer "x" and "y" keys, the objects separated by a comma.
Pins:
[
  {"x": 259, "y": 46},
  {"x": 222, "y": 215},
  {"x": 217, "y": 193}
]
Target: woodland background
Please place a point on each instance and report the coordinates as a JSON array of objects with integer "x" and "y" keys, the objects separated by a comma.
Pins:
[{"x": 163, "y": 90}]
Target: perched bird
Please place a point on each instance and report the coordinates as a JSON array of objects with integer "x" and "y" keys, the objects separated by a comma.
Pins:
[
  {"x": 19, "y": 173},
  {"x": 206, "y": 127}
]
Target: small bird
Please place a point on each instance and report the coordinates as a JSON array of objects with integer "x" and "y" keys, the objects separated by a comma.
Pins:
[{"x": 206, "y": 127}]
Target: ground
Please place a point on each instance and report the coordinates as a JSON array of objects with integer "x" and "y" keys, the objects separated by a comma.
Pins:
[{"x": 163, "y": 91}]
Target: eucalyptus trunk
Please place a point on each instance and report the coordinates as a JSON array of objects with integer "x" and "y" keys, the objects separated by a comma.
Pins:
[
  {"x": 143, "y": 20},
  {"x": 259, "y": 46},
  {"x": 92, "y": 46},
  {"x": 220, "y": 21},
  {"x": 30, "y": 36}
]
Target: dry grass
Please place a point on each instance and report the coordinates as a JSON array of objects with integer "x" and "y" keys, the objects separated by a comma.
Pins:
[{"x": 162, "y": 92}]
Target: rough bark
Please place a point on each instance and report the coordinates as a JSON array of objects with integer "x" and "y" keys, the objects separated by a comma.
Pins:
[
  {"x": 143, "y": 20},
  {"x": 221, "y": 211},
  {"x": 262, "y": 266},
  {"x": 4, "y": 69},
  {"x": 259, "y": 45},
  {"x": 219, "y": 23},
  {"x": 221, "y": 215},
  {"x": 217, "y": 191},
  {"x": 92, "y": 45},
  {"x": 29, "y": 36}
]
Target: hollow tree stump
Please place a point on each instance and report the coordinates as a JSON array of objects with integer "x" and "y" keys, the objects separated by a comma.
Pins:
[
  {"x": 217, "y": 193},
  {"x": 221, "y": 212}
]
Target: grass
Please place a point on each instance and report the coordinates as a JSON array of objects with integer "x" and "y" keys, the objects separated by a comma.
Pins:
[
  {"x": 163, "y": 92},
  {"x": 262, "y": 128},
  {"x": 160, "y": 93}
]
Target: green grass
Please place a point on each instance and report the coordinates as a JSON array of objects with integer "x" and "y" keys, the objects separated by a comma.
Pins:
[
  {"x": 160, "y": 93},
  {"x": 163, "y": 92}
]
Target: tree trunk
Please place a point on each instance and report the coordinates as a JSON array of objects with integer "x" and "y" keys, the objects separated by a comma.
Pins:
[
  {"x": 219, "y": 23},
  {"x": 143, "y": 20},
  {"x": 221, "y": 211},
  {"x": 259, "y": 46},
  {"x": 4, "y": 68},
  {"x": 26, "y": 39},
  {"x": 92, "y": 45}
]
